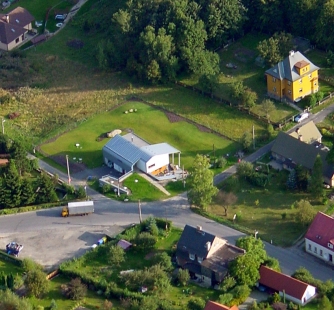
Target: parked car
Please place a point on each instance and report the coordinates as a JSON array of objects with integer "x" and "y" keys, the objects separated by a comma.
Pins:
[
  {"x": 301, "y": 117},
  {"x": 60, "y": 17}
]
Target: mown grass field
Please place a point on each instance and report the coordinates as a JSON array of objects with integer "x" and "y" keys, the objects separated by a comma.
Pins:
[{"x": 149, "y": 123}]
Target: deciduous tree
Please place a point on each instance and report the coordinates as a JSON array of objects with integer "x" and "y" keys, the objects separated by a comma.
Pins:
[
  {"x": 267, "y": 106},
  {"x": 116, "y": 255},
  {"x": 200, "y": 182},
  {"x": 316, "y": 180},
  {"x": 246, "y": 141},
  {"x": 196, "y": 303},
  {"x": 36, "y": 283},
  {"x": 76, "y": 290},
  {"x": 305, "y": 212},
  {"x": 226, "y": 199},
  {"x": 183, "y": 276},
  {"x": 9, "y": 300}
]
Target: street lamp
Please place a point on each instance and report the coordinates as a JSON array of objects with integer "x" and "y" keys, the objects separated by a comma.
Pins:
[
  {"x": 85, "y": 187},
  {"x": 255, "y": 233},
  {"x": 3, "y": 126}
]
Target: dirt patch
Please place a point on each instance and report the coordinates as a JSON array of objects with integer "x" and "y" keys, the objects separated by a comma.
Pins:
[
  {"x": 74, "y": 167},
  {"x": 149, "y": 255},
  {"x": 174, "y": 118}
]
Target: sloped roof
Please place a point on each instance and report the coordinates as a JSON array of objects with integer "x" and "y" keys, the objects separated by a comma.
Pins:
[
  {"x": 211, "y": 305},
  {"x": 158, "y": 149},
  {"x": 12, "y": 24},
  {"x": 194, "y": 241},
  {"x": 309, "y": 133},
  {"x": 132, "y": 153},
  {"x": 124, "y": 244},
  {"x": 124, "y": 149},
  {"x": 281, "y": 282},
  {"x": 321, "y": 231},
  {"x": 286, "y": 69},
  {"x": 300, "y": 152}
]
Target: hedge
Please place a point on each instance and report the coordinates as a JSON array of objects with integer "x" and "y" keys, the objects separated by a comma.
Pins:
[{"x": 10, "y": 258}]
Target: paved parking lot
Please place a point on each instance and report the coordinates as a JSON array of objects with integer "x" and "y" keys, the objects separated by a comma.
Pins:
[{"x": 51, "y": 247}]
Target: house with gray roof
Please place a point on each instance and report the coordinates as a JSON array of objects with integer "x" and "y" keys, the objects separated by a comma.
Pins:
[
  {"x": 14, "y": 27},
  {"x": 204, "y": 255},
  {"x": 291, "y": 152},
  {"x": 124, "y": 153},
  {"x": 292, "y": 78}
]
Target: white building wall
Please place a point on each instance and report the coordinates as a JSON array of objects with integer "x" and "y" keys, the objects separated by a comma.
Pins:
[
  {"x": 157, "y": 162},
  {"x": 319, "y": 251},
  {"x": 288, "y": 297},
  {"x": 309, "y": 293}
]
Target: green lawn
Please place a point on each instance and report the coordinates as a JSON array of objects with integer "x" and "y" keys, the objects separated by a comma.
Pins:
[
  {"x": 266, "y": 217},
  {"x": 149, "y": 123},
  {"x": 8, "y": 267}
]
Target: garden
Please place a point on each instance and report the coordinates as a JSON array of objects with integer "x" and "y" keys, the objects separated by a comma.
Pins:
[{"x": 268, "y": 208}]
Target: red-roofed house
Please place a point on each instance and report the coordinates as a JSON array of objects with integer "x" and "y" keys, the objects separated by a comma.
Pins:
[
  {"x": 319, "y": 239},
  {"x": 211, "y": 305},
  {"x": 297, "y": 291}
]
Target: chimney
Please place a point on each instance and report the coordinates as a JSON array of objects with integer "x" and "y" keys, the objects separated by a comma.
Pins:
[
  {"x": 291, "y": 53},
  {"x": 297, "y": 130},
  {"x": 7, "y": 18},
  {"x": 300, "y": 137},
  {"x": 131, "y": 138},
  {"x": 208, "y": 246},
  {"x": 199, "y": 228}
]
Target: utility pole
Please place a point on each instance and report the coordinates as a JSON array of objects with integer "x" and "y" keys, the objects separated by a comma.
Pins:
[
  {"x": 68, "y": 170},
  {"x": 166, "y": 218},
  {"x": 139, "y": 210},
  {"x": 253, "y": 138},
  {"x": 183, "y": 180}
]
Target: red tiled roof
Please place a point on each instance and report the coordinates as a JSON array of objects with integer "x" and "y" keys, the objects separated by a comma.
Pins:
[
  {"x": 321, "y": 231},
  {"x": 3, "y": 161},
  {"x": 211, "y": 305},
  {"x": 281, "y": 282}
]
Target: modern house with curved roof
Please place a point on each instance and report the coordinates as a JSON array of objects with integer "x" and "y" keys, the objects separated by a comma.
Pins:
[{"x": 124, "y": 153}]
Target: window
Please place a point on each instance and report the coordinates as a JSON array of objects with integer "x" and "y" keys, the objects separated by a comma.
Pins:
[
  {"x": 310, "y": 247},
  {"x": 199, "y": 259},
  {"x": 310, "y": 75},
  {"x": 320, "y": 252},
  {"x": 289, "y": 83},
  {"x": 301, "y": 81},
  {"x": 315, "y": 250},
  {"x": 289, "y": 91},
  {"x": 192, "y": 256},
  {"x": 151, "y": 166},
  {"x": 315, "y": 83},
  {"x": 274, "y": 89},
  {"x": 300, "y": 90},
  {"x": 330, "y": 245},
  {"x": 17, "y": 40},
  {"x": 274, "y": 80}
]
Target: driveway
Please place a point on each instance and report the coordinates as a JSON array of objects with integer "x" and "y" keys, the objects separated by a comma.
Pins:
[{"x": 254, "y": 296}]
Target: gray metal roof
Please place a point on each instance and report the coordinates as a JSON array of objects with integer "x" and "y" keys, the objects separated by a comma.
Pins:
[
  {"x": 124, "y": 149},
  {"x": 132, "y": 153},
  {"x": 286, "y": 69}
]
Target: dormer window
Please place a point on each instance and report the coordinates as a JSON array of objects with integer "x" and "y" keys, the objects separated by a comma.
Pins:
[
  {"x": 199, "y": 259},
  {"x": 191, "y": 256}
]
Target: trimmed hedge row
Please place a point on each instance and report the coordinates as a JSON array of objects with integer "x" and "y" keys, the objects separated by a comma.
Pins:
[
  {"x": 10, "y": 258},
  {"x": 31, "y": 208}
]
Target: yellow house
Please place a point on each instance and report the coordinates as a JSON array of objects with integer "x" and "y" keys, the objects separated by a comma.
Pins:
[{"x": 293, "y": 78}]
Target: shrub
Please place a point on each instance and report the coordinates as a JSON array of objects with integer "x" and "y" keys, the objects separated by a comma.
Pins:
[
  {"x": 163, "y": 259},
  {"x": 183, "y": 276},
  {"x": 53, "y": 305},
  {"x": 240, "y": 294},
  {"x": 226, "y": 299},
  {"x": 116, "y": 255},
  {"x": 76, "y": 290},
  {"x": 29, "y": 265},
  {"x": 196, "y": 304},
  {"x": 145, "y": 240},
  {"x": 36, "y": 283},
  {"x": 228, "y": 283}
]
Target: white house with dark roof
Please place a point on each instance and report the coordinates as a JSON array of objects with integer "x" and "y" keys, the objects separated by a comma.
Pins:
[
  {"x": 204, "y": 255},
  {"x": 124, "y": 155},
  {"x": 13, "y": 28},
  {"x": 319, "y": 239}
]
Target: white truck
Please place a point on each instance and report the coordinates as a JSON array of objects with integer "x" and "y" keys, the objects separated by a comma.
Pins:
[{"x": 78, "y": 208}]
